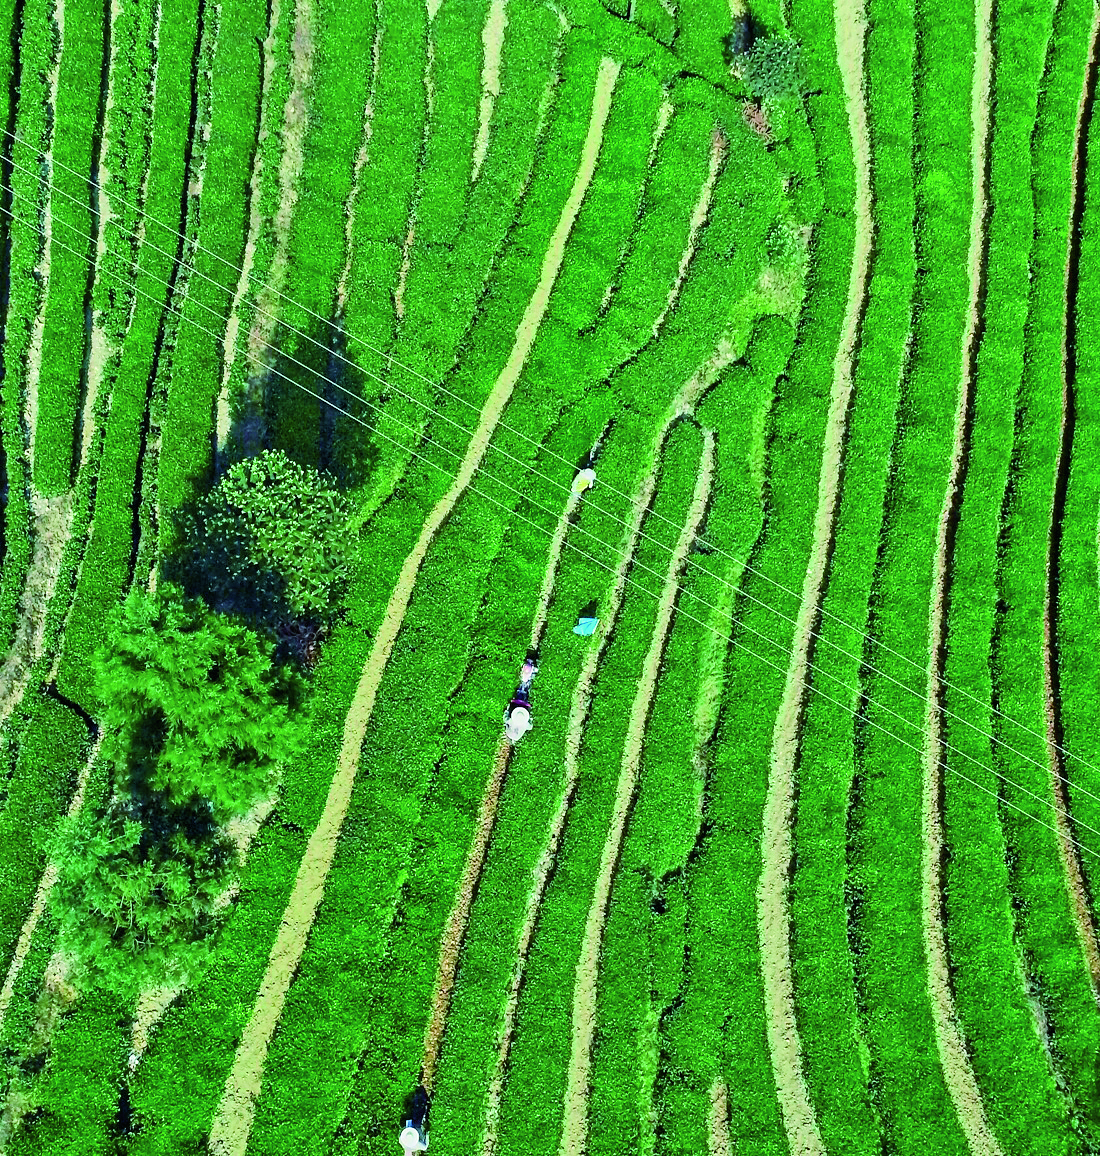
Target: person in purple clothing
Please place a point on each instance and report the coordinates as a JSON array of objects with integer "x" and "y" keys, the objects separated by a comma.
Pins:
[{"x": 517, "y": 714}]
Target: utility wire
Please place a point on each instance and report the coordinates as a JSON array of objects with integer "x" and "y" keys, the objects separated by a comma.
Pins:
[
  {"x": 681, "y": 589},
  {"x": 431, "y": 410},
  {"x": 393, "y": 362}
]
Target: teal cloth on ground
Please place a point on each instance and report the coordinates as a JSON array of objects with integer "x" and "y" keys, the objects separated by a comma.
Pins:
[{"x": 586, "y": 626}]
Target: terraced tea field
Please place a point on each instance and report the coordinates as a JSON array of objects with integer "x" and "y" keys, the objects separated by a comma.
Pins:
[{"x": 801, "y": 851}]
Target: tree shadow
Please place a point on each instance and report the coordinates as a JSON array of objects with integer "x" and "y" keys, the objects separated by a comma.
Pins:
[
  {"x": 416, "y": 1107},
  {"x": 314, "y": 407},
  {"x": 747, "y": 29}
]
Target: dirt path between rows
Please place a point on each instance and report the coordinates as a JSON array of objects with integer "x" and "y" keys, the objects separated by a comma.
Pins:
[
  {"x": 575, "y": 1124},
  {"x": 718, "y": 1121},
  {"x": 492, "y": 39},
  {"x": 1071, "y": 857},
  {"x": 772, "y": 907},
  {"x": 154, "y": 1002},
  {"x": 252, "y": 237},
  {"x": 52, "y": 519},
  {"x": 295, "y": 127},
  {"x": 718, "y": 149},
  {"x": 455, "y": 930},
  {"x": 682, "y": 404},
  {"x": 233, "y": 1120},
  {"x": 954, "y": 1060},
  {"x": 100, "y": 350},
  {"x": 352, "y": 201}
]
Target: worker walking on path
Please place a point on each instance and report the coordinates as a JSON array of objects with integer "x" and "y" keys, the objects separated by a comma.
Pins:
[
  {"x": 585, "y": 480},
  {"x": 517, "y": 714}
]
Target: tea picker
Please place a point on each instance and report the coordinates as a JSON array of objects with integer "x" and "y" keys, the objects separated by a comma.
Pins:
[{"x": 517, "y": 714}]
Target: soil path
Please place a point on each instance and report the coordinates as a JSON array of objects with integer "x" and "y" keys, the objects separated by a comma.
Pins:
[
  {"x": 403, "y": 272},
  {"x": 455, "y": 929},
  {"x": 958, "y": 1072},
  {"x": 575, "y": 1124},
  {"x": 1071, "y": 857},
  {"x": 53, "y": 519},
  {"x": 57, "y": 997},
  {"x": 718, "y": 147},
  {"x": 99, "y": 349},
  {"x": 772, "y": 908},
  {"x": 718, "y": 1126},
  {"x": 492, "y": 38},
  {"x": 295, "y": 126},
  {"x": 357, "y": 174},
  {"x": 682, "y": 404},
  {"x": 233, "y": 1120},
  {"x": 255, "y": 223},
  {"x": 154, "y": 1002}
]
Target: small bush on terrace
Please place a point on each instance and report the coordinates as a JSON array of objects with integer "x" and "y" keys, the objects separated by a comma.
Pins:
[
  {"x": 270, "y": 543},
  {"x": 771, "y": 70},
  {"x": 197, "y": 722}
]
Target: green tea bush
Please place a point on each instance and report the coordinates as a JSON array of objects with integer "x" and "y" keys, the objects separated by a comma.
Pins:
[
  {"x": 76, "y": 126},
  {"x": 828, "y": 977},
  {"x": 771, "y": 70},
  {"x": 1022, "y": 1103},
  {"x": 149, "y": 152},
  {"x": 1046, "y": 929},
  {"x": 192, "y": 377},
  {"x": 37, "y": 49}
]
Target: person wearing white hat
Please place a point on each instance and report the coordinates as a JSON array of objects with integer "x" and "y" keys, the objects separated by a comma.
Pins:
[{"x": 413, "y": 1139}]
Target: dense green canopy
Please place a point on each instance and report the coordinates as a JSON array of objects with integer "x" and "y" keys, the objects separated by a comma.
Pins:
[
  {"x": 196, "y": 721},
  {"x": 270, "y": 542}
]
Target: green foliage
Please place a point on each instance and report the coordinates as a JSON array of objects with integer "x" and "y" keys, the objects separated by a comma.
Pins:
[
  {"x": 135, "y": 895},
  {"x": 194, "y": 708},
  {"x": 196, "y": 724},
  {"x": 271, "y": 542},
  {"x": 771, "y": 70}
]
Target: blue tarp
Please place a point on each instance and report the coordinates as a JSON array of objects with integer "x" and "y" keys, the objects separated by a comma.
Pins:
[{"x": 586, "y": 626}]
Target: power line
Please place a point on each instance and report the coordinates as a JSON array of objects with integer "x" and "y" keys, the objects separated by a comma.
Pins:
[
  {"x": 817, "y": 634},
  {"x": 683, "y": 590},
  {"x": 393, "y": 362}
]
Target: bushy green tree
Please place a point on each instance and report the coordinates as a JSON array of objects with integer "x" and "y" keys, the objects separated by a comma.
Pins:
[
  {"x": 196, "y": 721},
  {"x": 193, "y": 707},
  {"x": 136, "y": 895},
  {"x": 771, "y": 70},
  {"x": 271, "y": 542}
]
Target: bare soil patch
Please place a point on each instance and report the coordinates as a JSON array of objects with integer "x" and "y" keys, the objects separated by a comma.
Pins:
[
  {"x": 575, "y": 1124},
  {"x": 492, "y": 39},
  {"x": 773, "y": 911},
  {"x": 954, "y": 1060},
  {"x": 233, "y": 1120}
]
